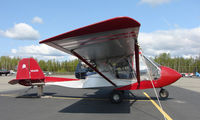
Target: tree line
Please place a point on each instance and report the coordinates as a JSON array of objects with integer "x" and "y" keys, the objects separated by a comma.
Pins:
[
  {"x": 58, "y": 66},
  {"x": 10, "y": 63},
  {"x": 182, "y": 65}
]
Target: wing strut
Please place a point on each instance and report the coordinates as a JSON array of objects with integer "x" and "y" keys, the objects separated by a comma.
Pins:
[
  {"x": 96, "y": 70},
  {"x": 137, "y": 62}
]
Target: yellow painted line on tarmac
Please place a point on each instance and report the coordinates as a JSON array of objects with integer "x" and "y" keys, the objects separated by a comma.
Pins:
[
  {"x": 131, "y": 100},
  {"x": 8, "y": 95},
  {"x": 158, "y": 107},
  {"x": 72, "y": 98},
  {"x": 78, "y": 98}
]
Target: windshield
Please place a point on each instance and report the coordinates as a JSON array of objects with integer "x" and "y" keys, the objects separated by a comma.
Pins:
[{"x": 146, "y": 65}]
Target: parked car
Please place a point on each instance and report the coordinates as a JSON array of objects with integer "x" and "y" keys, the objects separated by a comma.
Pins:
[{"x": 4, "y": 71}]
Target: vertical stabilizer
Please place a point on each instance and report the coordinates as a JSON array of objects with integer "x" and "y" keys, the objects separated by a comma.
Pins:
[{"x": 28, "y": 68}]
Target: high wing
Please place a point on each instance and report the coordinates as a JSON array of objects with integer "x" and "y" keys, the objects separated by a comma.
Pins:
[
  {"x": 113, "y": 38},
  {"x": 110, "y": 38}
]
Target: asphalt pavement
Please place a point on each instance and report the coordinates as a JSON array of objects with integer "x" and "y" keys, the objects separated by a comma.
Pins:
[{"x": 61, "y": 103}]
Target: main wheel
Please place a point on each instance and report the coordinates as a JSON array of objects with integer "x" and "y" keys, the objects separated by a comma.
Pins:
[
  {"x": 163, "y": 94},
  {"x": 116, "y": 97}
]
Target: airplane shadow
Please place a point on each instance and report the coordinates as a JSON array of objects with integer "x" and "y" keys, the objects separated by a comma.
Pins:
[
  {"x": 85, "y": 106},
  {"x": 94, "y": 104},
  {"x": 34, "y": 95}
]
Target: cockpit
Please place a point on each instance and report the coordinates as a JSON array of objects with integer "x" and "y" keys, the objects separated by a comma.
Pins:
[{"x": 124, "y": 68}]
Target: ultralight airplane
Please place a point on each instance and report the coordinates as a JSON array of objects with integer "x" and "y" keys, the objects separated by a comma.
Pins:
[{"x": 111, "y": 49}]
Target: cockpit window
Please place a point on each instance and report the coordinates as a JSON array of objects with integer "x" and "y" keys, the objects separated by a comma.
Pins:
[
  {"x": 119, "y": 68},
  {"x": 123, "y": 69}
]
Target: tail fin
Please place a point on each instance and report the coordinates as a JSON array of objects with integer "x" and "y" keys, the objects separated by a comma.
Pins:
[
  {"x": 28, "y": 68},
  {"x": 28, "y": 71}
]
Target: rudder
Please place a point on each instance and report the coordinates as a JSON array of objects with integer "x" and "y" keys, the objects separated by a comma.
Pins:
[{"x": 28, "y": 68}]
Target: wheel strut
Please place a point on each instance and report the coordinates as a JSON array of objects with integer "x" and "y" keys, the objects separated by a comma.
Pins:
[{"x": 40, "y": 90}]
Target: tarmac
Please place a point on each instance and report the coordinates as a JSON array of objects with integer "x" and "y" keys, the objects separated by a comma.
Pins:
[{"x": 59, "y": 103}]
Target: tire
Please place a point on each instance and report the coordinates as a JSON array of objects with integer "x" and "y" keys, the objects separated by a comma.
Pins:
[
  {"x": 116, "y": 97},
  {"x": 163, "y": 94}
]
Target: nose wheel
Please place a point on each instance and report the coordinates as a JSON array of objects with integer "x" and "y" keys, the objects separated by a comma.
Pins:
[
  {"x": 116, "y": 96},
  {"x": 163, "y": 93}
]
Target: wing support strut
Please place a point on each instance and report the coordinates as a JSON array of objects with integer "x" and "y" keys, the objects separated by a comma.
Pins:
[
  {"x": 96, "y": 70},
  {"x": 137, "y": 62}
]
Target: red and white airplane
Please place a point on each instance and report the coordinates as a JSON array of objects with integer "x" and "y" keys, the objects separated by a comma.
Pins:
[{"x": 111, "y": 49}]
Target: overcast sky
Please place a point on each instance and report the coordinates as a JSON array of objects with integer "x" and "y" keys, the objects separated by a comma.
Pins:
[{"x": 171, "y": 26}]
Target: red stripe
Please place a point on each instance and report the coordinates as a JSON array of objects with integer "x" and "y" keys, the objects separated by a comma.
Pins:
[
  {"x": 58, "y": 79},
  {"x": 113, "y": 37},
  {"x": 101, "y": 39},
  {"x": 107, "y": 25}
]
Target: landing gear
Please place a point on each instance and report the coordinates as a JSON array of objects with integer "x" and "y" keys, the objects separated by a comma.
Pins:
[
  {"x": 40, "y": 90},
  {"x": 163, "y": 93},
  {"x": 116, "y": 96}
]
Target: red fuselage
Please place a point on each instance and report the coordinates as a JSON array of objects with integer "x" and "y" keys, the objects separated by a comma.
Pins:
[{"x": 167, "y": 77}]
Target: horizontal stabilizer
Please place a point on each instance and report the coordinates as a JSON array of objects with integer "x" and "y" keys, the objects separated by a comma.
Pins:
[
  {"x": 58, "y": 79},
  {"x": 13, "y": 82}
]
